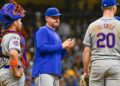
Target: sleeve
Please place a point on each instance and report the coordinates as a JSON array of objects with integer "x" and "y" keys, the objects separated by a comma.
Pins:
[
  {"x": 42, "y": 43},
  {"x": 14, "y": 43},
  {"x": 87, "y": 38},
  {"x": 64, "y": 53}
]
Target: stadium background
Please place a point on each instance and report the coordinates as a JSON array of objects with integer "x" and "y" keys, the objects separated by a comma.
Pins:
[{"x": 77, "y": 15}]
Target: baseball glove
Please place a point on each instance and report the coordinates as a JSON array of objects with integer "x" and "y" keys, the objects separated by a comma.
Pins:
[{"x": 84, "y": 81}]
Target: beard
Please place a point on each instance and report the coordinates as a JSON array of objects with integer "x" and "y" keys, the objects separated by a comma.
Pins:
[{"x": 55, "y": 25}]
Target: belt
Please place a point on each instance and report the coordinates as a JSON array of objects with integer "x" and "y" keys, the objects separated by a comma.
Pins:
[
  {"x": 8, "y": 66},
  {"x": 106, "y": 59}
]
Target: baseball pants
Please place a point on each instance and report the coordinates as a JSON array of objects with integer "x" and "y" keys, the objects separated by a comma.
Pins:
[
  {"x": 47, "y": 80},
  {"x": 7, "y": 79},
  {"x": 105, "y": 73}
]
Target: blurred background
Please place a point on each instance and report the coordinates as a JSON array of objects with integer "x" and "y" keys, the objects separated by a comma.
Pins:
[{"x": 77, "y": 15}]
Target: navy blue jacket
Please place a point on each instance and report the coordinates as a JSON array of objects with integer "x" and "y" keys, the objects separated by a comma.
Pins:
[{"x": 48, "y": 52}]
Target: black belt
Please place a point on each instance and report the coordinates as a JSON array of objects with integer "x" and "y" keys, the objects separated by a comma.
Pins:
[{"x": 8, "y": 66}]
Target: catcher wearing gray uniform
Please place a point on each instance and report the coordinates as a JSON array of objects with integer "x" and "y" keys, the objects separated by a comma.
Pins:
[
  {"x": 102, "y": 48},
  {"x": 12, "y": 62}
]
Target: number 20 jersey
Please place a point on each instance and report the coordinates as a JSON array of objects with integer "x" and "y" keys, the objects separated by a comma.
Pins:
[{"x": 103, "y": 36}]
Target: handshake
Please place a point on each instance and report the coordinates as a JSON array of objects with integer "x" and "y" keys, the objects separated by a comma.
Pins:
[{"x": 69, "y": 43}]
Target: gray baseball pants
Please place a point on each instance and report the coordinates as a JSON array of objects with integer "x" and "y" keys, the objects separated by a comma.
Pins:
[
  {"x": 105, "y": 73},
  {"x": 47, "y": 80},
  {"x": 7, "y": 79}
]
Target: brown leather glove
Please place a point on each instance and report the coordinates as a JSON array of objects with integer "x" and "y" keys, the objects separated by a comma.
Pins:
[{"x": 84, "y": 81}]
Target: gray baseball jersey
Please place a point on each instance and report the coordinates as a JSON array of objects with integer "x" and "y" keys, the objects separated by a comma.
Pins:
[
  {"x": 103, "y": 36},
  {"x": 10, "y": 41}
]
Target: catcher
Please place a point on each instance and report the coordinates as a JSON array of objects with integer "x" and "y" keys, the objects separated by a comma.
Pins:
[{"x": 12, "y": 46}]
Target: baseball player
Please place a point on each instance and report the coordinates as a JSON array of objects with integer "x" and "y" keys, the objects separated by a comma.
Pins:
[
  {"x": 12, "y": 46},
  {"x": 49, "y": 51},
  {"x": 102, "y": 48}
]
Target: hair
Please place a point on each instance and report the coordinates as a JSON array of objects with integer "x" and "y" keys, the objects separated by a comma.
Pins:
[{"x": 107, "y": 8}]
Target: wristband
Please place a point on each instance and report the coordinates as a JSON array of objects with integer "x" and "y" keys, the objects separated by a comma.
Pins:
[{"x": 14, "y": 62}]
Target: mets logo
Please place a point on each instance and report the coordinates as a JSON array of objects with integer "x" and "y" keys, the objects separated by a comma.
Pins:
[{"x": 16, "y": 43}]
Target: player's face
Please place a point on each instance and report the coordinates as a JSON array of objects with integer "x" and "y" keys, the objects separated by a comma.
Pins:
[
  {"x": 53, "y": 21},
  {"x": 19, "y": 24},
  {"x": 115, "y": 9}
]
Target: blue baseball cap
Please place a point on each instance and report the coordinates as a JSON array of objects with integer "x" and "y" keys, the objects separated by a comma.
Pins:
[
  {"x": 53, "y": 11},
  {"x": 106, "y": 3}
]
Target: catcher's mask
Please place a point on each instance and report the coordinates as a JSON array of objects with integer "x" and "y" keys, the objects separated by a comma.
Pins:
[{"x": 11, "y": 12}]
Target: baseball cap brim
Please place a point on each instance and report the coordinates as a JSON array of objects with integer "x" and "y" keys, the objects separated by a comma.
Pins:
[
  {"x": 55, "y": 15},
  {"x": 58, "y": 15}
]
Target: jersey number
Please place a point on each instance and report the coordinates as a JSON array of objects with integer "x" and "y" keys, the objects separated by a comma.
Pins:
[{"x": 108, "y": 38}]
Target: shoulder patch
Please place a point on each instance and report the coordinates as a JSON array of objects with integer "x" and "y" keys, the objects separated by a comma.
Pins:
[{"x": 16, "y": 43}]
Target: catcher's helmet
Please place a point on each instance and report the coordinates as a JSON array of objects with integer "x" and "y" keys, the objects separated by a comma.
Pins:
[
  {"x": 9, "y": 10},
  {"x": 52, "y": 12}
]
